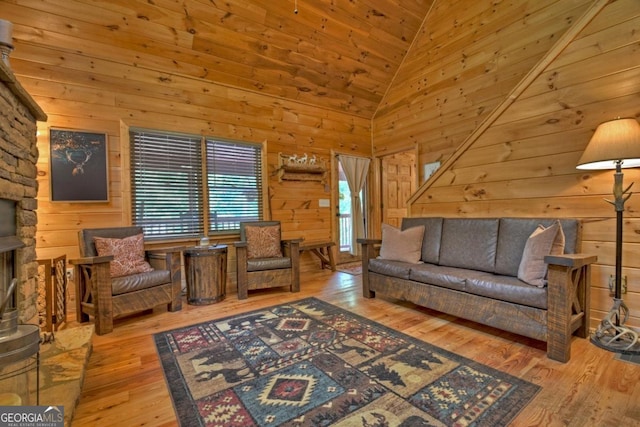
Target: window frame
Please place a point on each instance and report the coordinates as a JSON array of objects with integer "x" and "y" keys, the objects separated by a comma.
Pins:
[{"x": 206, "y": 225}]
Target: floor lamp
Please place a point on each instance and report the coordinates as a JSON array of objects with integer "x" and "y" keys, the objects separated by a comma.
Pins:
[{"x": 615, "y": 145}]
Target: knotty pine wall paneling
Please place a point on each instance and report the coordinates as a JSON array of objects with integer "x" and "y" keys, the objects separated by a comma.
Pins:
[
  {"x": 522, "y": 162},
  {"x": 90, "y": 68}
]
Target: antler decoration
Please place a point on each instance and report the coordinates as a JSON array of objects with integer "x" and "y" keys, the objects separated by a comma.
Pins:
[
  {"x": 74, "y": 148},
  {"x": 78, "y": 168},
  {"x": 621, "y": 196}
]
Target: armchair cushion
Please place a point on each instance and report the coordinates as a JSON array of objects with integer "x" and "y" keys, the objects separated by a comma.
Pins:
[
  {"x": 136, "y": 282},
  {"x": 263, "y": 241},
  {"x": 128, "y": 254},
  {"x": 259, "y": 264}
]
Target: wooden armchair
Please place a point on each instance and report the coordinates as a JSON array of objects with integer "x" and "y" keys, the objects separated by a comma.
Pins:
[
  {"x": 104, "y": 297},
  {"x": 264, "y": 260}
]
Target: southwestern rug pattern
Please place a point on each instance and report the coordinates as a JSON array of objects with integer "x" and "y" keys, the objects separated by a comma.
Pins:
[{"x": 309, "y": 363}]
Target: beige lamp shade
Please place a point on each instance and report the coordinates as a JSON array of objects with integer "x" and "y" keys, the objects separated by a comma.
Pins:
[{"x": 613, "y": 141}]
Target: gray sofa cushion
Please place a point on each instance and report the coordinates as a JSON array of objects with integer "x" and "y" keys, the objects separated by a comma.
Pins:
[
  {"x": 397, "y": 269},
  {"x": 499, "y": 287},
  {"x": 469, "y": 243},
  {"x": 507, "y": 288},
  {"x": 136, "y": 282},
  {"x": 447, "y": 277},
  {"x": 431, "y": 239},
  {"x": 513, "y": 235}
]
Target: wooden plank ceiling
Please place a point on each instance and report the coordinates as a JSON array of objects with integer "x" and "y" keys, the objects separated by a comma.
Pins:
[{"x": 336, "y": 54}]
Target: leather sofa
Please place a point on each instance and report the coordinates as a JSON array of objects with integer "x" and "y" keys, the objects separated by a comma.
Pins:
[{"x": 469, "y": 268}]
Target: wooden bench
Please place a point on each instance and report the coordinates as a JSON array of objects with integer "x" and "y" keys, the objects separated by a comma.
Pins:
[{"x": 324, "y": 252}]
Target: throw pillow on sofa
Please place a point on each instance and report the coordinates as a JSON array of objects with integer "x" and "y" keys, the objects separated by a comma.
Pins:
[
  {"x": 402, "y": 245},
  {"x": 128, "y": 254},
  {"x": 542, "y": 242}
]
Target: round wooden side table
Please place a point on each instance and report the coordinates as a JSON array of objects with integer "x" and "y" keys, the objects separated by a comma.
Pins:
[{"x": 206, "y": 274}]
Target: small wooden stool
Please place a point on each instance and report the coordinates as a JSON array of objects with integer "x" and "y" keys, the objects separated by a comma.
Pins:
[{"x": 323, "y": 250}]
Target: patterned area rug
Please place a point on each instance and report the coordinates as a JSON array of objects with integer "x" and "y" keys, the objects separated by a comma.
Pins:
[
  {"x": 309, "y": 363},
  {"x": 353, "y": 268}
]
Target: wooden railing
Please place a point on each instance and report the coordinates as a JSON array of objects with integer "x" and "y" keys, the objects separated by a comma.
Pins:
[{"x": 345, "y": 232}]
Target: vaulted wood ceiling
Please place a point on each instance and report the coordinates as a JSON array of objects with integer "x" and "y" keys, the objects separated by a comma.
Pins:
[{"x": 338, "y": 54}]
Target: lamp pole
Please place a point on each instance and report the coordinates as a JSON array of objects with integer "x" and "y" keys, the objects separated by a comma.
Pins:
[
  {"x": 621, "y": 196},
  {"x": 611, "y": 333},
  {"x": 615, "y": 143}
]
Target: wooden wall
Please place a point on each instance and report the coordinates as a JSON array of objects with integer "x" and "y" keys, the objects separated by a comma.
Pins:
[
  {"x": 486, "y": 89},
  {"x": 508, "y": 103},
  {"x": 85, "y": 76}
]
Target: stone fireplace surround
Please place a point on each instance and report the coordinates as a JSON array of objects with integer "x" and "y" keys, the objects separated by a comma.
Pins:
[
  {"x": 18, "y": 183},
  {"x": 63, "y": 361}
]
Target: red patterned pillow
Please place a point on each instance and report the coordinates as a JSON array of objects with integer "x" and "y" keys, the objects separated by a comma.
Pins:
[
  {"x": 263, "y": 241},
  {"x": 128, "y": 254}
]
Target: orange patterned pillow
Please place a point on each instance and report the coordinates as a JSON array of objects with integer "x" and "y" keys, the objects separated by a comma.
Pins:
[
  {"x": 263, "y": 242},
  {"x": 128, "y": 254}
]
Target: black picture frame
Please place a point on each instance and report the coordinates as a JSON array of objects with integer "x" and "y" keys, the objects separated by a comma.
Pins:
[{"x": 79, "y": 166}]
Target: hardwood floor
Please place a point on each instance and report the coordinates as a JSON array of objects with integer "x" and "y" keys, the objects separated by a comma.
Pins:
[{"x": 125, "y": 386}]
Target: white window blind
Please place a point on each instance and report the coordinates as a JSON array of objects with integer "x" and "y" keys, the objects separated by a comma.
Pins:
[
  {"x": 168, "y": 177},
  {"x": 166, "y": 184},
  {"x": 234, "y": 182}
]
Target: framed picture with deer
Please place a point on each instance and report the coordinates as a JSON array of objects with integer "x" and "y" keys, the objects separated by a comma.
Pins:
[{"x": 79, "y": 166}]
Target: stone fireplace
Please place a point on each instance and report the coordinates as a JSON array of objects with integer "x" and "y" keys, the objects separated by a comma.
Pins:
[
  {"x": 18, "y": 190},
  {"x": 63, "y": 361}
]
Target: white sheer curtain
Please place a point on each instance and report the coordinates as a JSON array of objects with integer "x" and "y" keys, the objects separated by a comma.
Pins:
[{"x": 355, "y": 170}]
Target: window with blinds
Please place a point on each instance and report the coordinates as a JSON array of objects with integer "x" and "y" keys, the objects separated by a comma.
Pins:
[
  {"x": 170, "y": 177},
  {"x": 234, "y": 182}
]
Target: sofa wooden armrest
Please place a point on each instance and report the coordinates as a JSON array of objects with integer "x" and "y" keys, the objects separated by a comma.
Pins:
[
  {"x": 291, "y": 248},
  {"x": 163, "y": 251},
  {"x": 163, "y": 259},
  {"x": 91, "y": 260},
  {"x": 369, "y": 250},
  {"x": 569, "y": 288},
  {"x": 93, "y": 291}
]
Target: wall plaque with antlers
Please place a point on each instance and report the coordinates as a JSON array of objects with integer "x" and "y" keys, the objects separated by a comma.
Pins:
[
  {"x": 79, "y": 166},
  {"x": 293, "y": 167}
]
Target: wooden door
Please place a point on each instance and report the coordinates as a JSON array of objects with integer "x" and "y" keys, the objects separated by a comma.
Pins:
[{"x": 399, "y": 182}]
